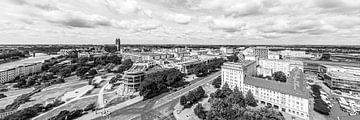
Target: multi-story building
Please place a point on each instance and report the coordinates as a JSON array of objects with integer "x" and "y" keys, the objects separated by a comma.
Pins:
[
  {"x": 261, "y": 52},
  {"x": 20, "y": 70},
  {"x": 290, "y": 97},
  {"x": 138, "y": 56},
  {"x": 226, "y": 50},
  {"x": 342, "y": 77},
  {"x": 290, "y": 54},
  {"x": 133, "y": 77},
  {"x": 234, "y": 72},
  {"x": 279, "y": 65},
  {"x": 342, "y": 80}
]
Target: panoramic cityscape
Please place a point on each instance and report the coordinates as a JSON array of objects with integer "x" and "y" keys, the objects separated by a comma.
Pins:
[{"x": 180, "y": 60}]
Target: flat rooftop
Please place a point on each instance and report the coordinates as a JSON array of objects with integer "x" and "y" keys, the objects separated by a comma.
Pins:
[{"x": 344, "y": 75}]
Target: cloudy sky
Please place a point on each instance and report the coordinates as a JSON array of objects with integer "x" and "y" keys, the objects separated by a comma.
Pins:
[{"x": 317, "y": 22}]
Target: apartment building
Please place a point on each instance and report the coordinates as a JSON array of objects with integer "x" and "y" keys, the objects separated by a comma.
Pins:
[{"x": 8, "y": 74}]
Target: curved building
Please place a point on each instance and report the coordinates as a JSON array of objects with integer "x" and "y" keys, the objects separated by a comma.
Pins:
[{"x": 133, "y": 77}]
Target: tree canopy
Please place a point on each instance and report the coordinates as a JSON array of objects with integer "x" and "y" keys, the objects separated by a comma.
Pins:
[{"x": 279, "y": 76}]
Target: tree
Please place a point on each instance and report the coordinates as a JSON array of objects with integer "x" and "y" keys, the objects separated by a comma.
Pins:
[
  {"x": 199, "y": 111},
  {"x": 92, "y": 72},
  {"x": 321, "y": 107},
  {"x": 191, "y": 97},
  {"x": 200, "y": 92},
  {"x": 183, "y": 100},
  {"x": 216, "y": 82},
  {"x": 64, "y": 72},
  {"x": 279, "y": 76},
  {"x": 250, "y": 100},
  {"x": 2, "y": 95},
  {"x": 127, "y": 64},
  {"x": 226, "y": 90},
  {"x": 91, "y": 106},
  {"x": 81, "y": 71},
  {"x": 233, "y": 58}
]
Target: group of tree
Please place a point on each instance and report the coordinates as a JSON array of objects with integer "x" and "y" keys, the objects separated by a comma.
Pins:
[
  {"x": 71, "y": 115},
  {"x": 319, "y": 105},
  {"x": 12, "y": 53},
  {"x": 125, "y": 65},
  {"x": 33, "y": 111},
  {"x": 279, "y": 76},
  {"x": 2, "y": 95},
  {"x": 36, "y": 79},
  {"x": 233, "y": 58},
  {"x": 208, "y": 67},
  {"x": 99, "y": 60},
  {"x": 227, "y": 104},
  {"x": 217, "y": 82},
  {"x": 192, "y": 97},
  {"x": 158, "y": 82},
  {"x": 68, "y": 115}
]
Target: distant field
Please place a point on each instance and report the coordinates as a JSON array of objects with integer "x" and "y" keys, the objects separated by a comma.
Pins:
[
  {"x": 79, "y": 104},
  {"x": 48, "y": 94}
]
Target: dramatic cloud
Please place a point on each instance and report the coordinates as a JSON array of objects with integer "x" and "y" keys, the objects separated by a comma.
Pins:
[{"x": 181, "y": 21}]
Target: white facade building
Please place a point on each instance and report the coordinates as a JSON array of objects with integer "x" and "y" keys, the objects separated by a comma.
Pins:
[{"x": 280, "y": 65}]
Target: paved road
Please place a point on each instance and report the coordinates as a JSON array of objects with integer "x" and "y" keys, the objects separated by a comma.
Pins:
[{"x": 148, "y": 108}]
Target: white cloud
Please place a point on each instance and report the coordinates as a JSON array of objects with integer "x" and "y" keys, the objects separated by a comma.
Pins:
[
  {"x": 227, "y": 24},
  {"x": 179, "y": 18},
  {"x": 76, "y": 19},
  {"x": 123, "y": 6}
]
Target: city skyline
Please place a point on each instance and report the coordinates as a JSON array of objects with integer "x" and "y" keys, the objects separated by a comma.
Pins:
[{"x": 211, "y": 22}]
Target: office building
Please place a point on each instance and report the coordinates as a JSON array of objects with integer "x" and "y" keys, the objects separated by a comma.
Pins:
[
  {"x": 234, "y": 72},
  {"x": 342, "y": 81},
  {"x": 290, "y": 97}
]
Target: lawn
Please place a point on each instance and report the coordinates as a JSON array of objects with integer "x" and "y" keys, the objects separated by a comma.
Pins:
[
  {"x": 43, "y": 96},
  {"x": 11, "y": 95},
  {"x": 13, "y": 92},
  {"x": 79, "y": 104}
]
